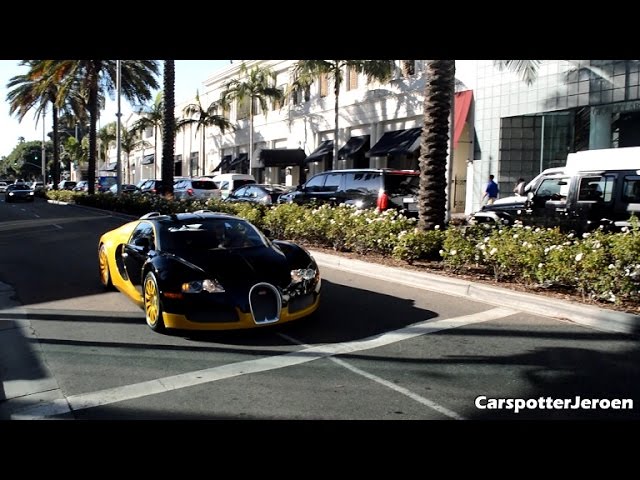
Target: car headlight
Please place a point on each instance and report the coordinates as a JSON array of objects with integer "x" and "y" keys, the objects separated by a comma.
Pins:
[
  {"x": 302, "y": 274},
  {"x": 207, "y": 285},
  {"x": 30, "y": 193},
  {"x": 10, "y": 193}
]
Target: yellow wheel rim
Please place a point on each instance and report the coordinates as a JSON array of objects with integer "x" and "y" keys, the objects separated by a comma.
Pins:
[
  {"x": 152, "y": 301},
  {"x": 104, "y": 266}
]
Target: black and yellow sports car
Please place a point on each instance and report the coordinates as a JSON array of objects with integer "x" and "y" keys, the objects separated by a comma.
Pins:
[{"x": 208, "y": 271}]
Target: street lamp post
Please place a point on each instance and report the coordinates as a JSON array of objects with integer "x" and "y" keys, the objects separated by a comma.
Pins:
[
  {"x": 44, "y": 179},
  {"x": 118, "y": 139}
]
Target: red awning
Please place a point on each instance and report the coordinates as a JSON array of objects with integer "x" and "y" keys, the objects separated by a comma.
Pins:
[{"x": 461, "y": 110}]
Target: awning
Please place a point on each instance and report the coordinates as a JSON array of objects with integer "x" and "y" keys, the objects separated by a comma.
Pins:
[
  {"x": 324, "y": 149},
  {"x": 461, "y": 110},
  {"x": 278, "y": 157},
  {"x": 224, "y": 163},
  {"x": 354, "y": 146},
  {"x": 237, "y": 162},
  {"x": 111, "y": 167},
  {"x": 148, "y": 159},
  {"x": 398, "y": 142}
]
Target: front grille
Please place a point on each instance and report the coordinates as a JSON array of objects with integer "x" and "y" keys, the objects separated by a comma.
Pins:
[{"x": 265, "y": 303}]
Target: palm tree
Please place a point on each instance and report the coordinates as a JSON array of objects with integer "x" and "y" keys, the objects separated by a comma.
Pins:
[
  {"x": 152, "y": 117},
  {"x": 106, "y": 135},
  {"x": 35, "y": 90},
  {"x": 438, "y": 97},
  {"x": 306, "y": 71},
  {"x": 92, "y": 77},
  {"x": 255, "y": 85},
  {"x": 202, "y": 118},
  {"x": 130, "y": 141},
  {"x": 168, "y": 126}
]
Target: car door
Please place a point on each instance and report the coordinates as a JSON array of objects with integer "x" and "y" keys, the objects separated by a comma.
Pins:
[{"x": 137, "y": 251}]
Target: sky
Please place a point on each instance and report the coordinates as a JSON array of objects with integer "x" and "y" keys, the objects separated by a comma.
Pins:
[{"x": 189, "y": 77}]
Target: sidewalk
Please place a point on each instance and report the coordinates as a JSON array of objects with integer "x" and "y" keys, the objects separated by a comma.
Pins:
[{"x": 599, "y": 318}]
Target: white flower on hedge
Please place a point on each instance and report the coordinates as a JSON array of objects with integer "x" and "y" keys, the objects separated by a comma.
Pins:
[
  {"x": 624, "y": 229},
  {"x": 453, "y": 252},
  {"x": 537, "y": 229},
  {"x": 579, "y": 257},
  {"x": 515, "y": 235},
  {"x": 611, "y": 266},
  {"x": 540, "y": 265},
  {"x": 493, "y": 251},
  {"x": 442, "y": 252},
  {"x": 586, "y": 235},
  {"x": 437, "y": 227},
  {"x": 571, "y": 235}
]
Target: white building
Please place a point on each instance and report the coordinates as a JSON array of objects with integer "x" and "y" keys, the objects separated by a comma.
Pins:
[{"x": 501, "y": 125}]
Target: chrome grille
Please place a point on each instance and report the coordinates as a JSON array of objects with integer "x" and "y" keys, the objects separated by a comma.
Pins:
[{"x": 265, "y": 303}]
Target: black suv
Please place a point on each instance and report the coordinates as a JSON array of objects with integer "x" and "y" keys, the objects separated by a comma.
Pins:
[
  {"x": 363, "y": 188},
  {"x": 579, "y": 201}
]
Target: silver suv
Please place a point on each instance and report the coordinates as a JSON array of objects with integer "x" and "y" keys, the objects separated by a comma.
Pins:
[{"x": 196, "y": 188}]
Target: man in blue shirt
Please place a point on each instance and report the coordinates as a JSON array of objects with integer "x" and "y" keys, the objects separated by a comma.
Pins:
[{"x": 491, "y": 192}]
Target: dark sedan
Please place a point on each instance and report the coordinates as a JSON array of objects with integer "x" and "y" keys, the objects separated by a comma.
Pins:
[
  {"x": 266, "y": 194},
  {"x": 17, "y": 192}
]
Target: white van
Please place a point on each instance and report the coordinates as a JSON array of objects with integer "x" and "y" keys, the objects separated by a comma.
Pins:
[{"x": 228, "y": 182}]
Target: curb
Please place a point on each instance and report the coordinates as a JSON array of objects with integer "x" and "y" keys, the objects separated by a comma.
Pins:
[{"x": 599, "y": 318}]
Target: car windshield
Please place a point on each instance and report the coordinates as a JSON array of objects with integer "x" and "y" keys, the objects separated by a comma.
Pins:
[{"x": 209, "y": 234}]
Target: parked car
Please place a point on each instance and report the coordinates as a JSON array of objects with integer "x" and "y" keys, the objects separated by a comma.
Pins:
[
  {"x": 3, "y": 186},
  {"x": 208, "y": 271},
  {"x": 363, "y": 188},
  {"x": 200, "y": 188},
  {"x": 228, "y": 182},
  {"x": 18, "y": 192},
  {"x": 152, "y": 187},
  {"x": 580, "y": 201},
  {"x": 124, "y": 188},
  {"x": 67, "y": 185},
  {"x": 266, "y": 194},
  {"x": 81, "y": 186}
]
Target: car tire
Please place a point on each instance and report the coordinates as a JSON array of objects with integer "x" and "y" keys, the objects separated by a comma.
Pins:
[
  {"x": 103, "y": 268},
  {"x": 152, "y": 303}
]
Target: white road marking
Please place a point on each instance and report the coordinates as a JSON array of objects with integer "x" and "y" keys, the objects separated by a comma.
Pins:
[
  {"x": 57, "y": 226},
  {"x": 162, "y": 385}
]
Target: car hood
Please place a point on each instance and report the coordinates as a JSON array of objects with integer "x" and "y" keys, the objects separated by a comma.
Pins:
[
  {"x": 508, "y": 203},
  {"x": 243, "y": 266}
]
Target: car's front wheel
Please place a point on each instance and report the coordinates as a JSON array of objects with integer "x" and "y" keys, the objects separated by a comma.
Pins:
[{"x": 152, "y": 304}]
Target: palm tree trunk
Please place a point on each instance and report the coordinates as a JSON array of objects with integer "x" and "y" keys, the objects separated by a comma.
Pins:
[
  {"x": 56, "y": 147},
  {"x": 93, "y": 120},
  {"x": 335, "y": 128},
  {"x": 251, "y": 166},
  {"x": 204, "y": 146},
  {"x": 439, "y": 84},
  {"x": 168, "y": 127}
]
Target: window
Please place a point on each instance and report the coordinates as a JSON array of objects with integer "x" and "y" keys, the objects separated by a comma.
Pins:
[
  {"x": 332, "y": 183},
  {"x": 324, "y": 85},
  {"x": 315, "y": 184},
  {"x": 148, "y": 132},
  {"x": 631, "y": 189},
  {"x": 143, "y": 230},
  {"x": 352, "y": 78},
  {"x": 278, "y": 104},
  {"x": 363, "y": 182},
  {"x": 595, "y": 188},
  {"x": 242, "y": 108}
]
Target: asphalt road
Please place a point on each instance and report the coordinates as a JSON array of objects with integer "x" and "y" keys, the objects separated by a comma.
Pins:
[{"x": 375, "y": 350}]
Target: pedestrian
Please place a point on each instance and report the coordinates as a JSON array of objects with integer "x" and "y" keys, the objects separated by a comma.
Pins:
[
  {"x": 519, "y": 188},
  {"x": 491, "y": 191}
]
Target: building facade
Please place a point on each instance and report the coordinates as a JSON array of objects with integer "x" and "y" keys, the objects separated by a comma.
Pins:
[{"x": 500, "y": 124}]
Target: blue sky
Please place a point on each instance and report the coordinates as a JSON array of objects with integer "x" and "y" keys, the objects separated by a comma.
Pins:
[{"x": 189, "y": 77}]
